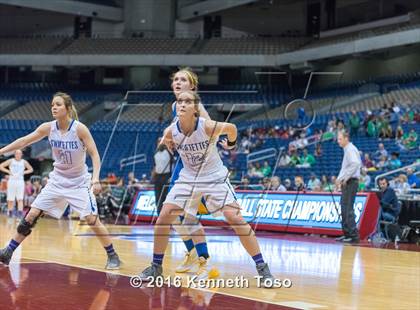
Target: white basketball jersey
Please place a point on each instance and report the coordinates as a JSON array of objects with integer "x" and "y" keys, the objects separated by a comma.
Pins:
[
  {"x": 198, "y": 152},
  {"x": 69, "y": 152},
  {"x": 17, "y": 167}
]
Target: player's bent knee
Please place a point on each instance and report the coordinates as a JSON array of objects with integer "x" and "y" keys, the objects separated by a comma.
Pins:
[
  {"x": 234, "y": 219},
  {"x": 24, "y": 228},
  {"x": 92, "y": 220}
]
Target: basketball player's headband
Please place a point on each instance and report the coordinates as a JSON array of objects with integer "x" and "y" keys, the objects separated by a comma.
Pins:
[{"x": 192, "y": 77}]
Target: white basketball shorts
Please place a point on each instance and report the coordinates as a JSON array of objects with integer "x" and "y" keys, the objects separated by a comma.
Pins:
[
  {"x": 54, "y": 199},
  {"x": 15, "y": 190},
  {"x": 187, "y": 195}
]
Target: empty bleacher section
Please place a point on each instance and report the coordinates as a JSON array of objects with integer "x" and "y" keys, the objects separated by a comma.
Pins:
[
  {"x": 13, "y": 129},
  {"x": 213, "y": 46},
  {"x": 251, "y": 45},
  {"x": 363, "y": 34},
  {"x": 29, "y": 45},
  {"x": 128, "y": 46},
  {"x": 41, "y": 110}
]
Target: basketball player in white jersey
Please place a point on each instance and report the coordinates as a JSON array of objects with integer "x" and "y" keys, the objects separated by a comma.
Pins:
[
  {"x": 193, "y": 235},
  {"x": 203, "y": 175},
  {"x": 69, "y": 182},
  {"x": 16, "y": 168}
]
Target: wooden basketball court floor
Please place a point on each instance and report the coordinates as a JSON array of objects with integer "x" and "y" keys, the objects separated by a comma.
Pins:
[{"x": 61, "y": 266}]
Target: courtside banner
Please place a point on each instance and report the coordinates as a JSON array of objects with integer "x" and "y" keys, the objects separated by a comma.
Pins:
[{"x": 298, "y": 212}]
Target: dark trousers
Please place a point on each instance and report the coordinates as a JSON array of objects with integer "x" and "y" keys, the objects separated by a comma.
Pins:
[
  {"x": 348, "y": 221},
  {"x": 161, "y": 189}
]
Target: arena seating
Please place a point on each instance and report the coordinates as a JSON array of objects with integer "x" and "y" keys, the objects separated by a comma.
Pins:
[
  {"x": 128, "y": 46},
  {"x": 140, "y": 123},
  {"x": 29, "y": 45},
  {"x": 251, "y": 45}
]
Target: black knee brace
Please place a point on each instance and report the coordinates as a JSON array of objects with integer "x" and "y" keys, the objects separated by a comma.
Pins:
[{"x": 24, "y": 228}]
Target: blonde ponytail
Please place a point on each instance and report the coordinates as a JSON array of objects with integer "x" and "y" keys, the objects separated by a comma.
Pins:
[{"x": 74, "y": 114}]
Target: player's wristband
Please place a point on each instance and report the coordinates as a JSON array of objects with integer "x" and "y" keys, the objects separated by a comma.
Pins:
[{"x": 233, "y": 143}]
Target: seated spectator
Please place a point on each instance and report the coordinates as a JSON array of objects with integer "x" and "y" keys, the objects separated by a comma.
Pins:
[
  {"x": 276, "y": 185},
  {"x": 111, "y": 178},
  {"x": 326, "y": 185},
  {"x": 288, "y": 184},
  {"x": 266, "y": 183},
  {"x": 294, "y": 159},
  {"x": 371, "y": 130},
  {"x": 244, "y": 184},
  {"x": 412, "y": 179},
  {"x": 333, "y": 181},
  {"x": 401, "y": 186},
  {"x": 284, "y": 133},
  {"x": 364, "y": 180},
  {"x": 409, "y": 141},
  {"x": 306, "y": 161},
  {"x": 118, "y": 190},
  {"x": 354, "y": 123},
  {"x": 245, "y": 145},
  {"x": 390, "y": 207},
  {"x": 399, "y": 133},
  {"x": 394, "y": 162},
  {"x": 251, "y": 170},
  {"x": 266, "y": 169},
  {"x": 408, "y": 117},
  {"x": 254, "y": 171},
  {"x": 382, "y": 164},
  {"x": 381, "y": 151},
  {"x": 314, "y": 183},
  {"x": 299, "y": 183},
  {"x": 144, "y": 182},
  {"x": 132, "y": 180},
  {"x": 258, "y": 170},
  {"x": 368, "y": 163},
  {"x": 284, "y": 160},
  {"x": 385, "y": 131},
  {"x": 332, "y": 126},
  {"x": 318, "y": 150}
]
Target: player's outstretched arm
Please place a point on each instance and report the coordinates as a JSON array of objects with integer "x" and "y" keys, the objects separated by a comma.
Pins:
[
  {"x": 41, "y": 132},
  {"x": 87, "y": 139},
  {"x": 215, "y": 129}
]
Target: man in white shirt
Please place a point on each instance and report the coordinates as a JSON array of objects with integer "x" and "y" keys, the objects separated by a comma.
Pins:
[
  {"x": 348, "y": 181},
  {"x": 161, "y": 174}
]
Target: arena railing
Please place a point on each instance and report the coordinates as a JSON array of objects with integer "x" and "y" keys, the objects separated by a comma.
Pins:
[{"x": 261, "y": 155}]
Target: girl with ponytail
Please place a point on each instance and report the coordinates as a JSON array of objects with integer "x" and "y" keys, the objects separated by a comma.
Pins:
[{"x": 69, "y": 183}]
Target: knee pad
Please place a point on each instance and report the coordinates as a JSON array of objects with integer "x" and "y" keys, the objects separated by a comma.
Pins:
[{"x": 24, "y": 228}]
